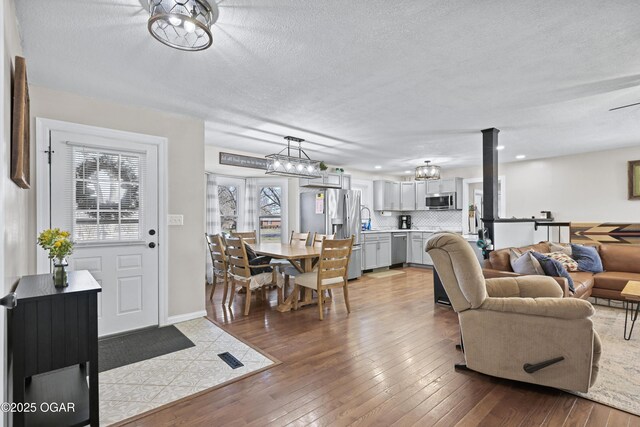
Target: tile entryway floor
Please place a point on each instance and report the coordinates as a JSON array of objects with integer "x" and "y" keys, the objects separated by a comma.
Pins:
[{"x": 139, "y": 387}]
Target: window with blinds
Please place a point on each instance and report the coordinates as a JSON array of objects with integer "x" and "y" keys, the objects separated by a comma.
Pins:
[{"x": 107, "y": 195}]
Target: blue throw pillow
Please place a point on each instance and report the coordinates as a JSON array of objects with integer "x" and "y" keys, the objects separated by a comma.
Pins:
[
  {"x": 587, "y": 257},
  {"x": 553, "y": 268}
]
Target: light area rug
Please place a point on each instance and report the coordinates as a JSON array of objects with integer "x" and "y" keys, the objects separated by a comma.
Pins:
[
  {"x": 618, "y": 383},
  {"x": 384, "y": 274},
  {"x": 143, "y": 386}
]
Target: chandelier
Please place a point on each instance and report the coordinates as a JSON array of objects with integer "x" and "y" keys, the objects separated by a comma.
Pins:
[
  {"x": 296, "y": 165},
  {"x": 183, "y": 24},
  {"x": 427, "y": 172}
]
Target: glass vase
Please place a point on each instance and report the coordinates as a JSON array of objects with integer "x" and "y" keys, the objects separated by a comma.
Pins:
[{"x": 60, "y": 273}]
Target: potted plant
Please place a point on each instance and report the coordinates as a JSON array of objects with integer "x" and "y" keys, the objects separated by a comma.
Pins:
[{"x": 60, "y": 246}]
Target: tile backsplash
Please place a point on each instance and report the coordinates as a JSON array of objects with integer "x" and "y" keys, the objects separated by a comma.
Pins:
[{"x": 440, "y": 220}]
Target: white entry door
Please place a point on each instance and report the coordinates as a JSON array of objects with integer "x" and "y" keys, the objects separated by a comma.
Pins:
[{"x": 105, "y": 192}]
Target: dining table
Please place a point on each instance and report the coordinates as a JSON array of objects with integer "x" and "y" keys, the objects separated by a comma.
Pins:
[{"x": 300, "y": 256}]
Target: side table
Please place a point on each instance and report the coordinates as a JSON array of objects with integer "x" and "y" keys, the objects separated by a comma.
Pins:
[{"x": 631, "y": 295}]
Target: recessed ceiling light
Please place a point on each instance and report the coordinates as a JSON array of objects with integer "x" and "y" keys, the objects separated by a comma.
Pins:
[
  {"x": 500, "y": 147},
  {"x": 407, "y": 171},
  {"x": 377, "y": 167},
  {"x": 520, "y": 156}
]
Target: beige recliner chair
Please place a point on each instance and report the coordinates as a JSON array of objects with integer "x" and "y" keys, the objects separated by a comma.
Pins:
[{"x": 518, "y": 328}]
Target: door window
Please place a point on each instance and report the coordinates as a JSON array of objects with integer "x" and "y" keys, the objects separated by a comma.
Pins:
[{"x": 107, "y": 195}]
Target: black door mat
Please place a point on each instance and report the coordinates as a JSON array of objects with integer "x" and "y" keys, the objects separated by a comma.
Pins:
[{"x": 122, "y": 350}]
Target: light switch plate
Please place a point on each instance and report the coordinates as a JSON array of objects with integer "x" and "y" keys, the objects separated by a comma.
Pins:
[{"x": 175, "y": 220}]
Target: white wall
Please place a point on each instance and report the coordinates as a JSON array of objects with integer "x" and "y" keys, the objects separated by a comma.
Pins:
[
  {"x": 185, "y": 176},
  {"x": 16, "y": 255},
  {"x": 19, "y": 221},
  {"x": 589, "y": 187}
]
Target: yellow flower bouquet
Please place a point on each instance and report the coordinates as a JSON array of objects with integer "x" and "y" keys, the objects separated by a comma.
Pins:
[
  {"x": 59, "y": 245},
  {"x": 57, "y": 242}
]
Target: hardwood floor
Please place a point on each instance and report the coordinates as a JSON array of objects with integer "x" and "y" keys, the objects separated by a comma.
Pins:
[{"x": 390, "y": 362}]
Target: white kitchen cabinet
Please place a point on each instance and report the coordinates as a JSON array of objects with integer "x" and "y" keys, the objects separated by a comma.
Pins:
[
  {"x": 448, "y": 185},
  {"x": 327, "y": 180},
  {"x": 418, "y": 253},
  {"x": 384, "y": 253},
  {"x": 386, "y": 195},
  {"x": 415, "y": 254},
  {"x": 421, "y": 194},
  {"x": 408, "y": 196},
  {"x": 433, "y": 186},
  {"x": 377, "y": 251},
  {"x": 426, "y": 258},
  {"x": 392, "y": 195},
  {"x": 370, "y": 255},
  {"x": 346, "y": 182}
]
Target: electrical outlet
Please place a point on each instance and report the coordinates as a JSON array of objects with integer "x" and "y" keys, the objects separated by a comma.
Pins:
[{"x": 175, "y": 220}]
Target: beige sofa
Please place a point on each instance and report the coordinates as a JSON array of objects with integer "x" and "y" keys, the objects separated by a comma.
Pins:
[{"x": 520, "y": 328}]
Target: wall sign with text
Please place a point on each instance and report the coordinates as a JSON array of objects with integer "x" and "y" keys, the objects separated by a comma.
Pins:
[{"x": 231, "y": 159}]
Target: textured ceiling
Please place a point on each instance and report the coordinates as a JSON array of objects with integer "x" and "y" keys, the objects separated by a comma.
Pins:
[{"x": 366, "y": 82}]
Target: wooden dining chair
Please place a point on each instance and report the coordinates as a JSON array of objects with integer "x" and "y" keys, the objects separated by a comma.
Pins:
[
  {"x": 332, "y": 272},
  {"x": 219, "y": 261},
  {"x": 249, "y": 237},
  {"x": 249, "y": 277},
  {"x": 299, "y": 238},
  {"x": 284, "y": 267},
  {"x": 317, "y": 243},
  {"x": 318, "y": 238}
]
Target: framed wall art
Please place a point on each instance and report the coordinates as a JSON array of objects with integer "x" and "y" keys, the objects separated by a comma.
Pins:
[
  {"x": 20, "y": 156},
  {"x": 634, "y": 180}
]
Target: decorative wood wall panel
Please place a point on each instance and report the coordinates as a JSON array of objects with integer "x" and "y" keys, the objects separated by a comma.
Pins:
[{"x": 605, "y": 232}]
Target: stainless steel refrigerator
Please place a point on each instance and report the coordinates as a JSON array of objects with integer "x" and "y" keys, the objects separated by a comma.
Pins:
[{"x": 334, "y": 212}]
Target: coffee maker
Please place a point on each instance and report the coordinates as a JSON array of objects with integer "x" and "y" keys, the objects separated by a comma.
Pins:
[{"x": 405, "y": 222}]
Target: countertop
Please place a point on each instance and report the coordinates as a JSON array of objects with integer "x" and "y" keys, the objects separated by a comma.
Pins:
[
  {"x": 413, "y": 230},
  {"x": 468, "y": 237}
]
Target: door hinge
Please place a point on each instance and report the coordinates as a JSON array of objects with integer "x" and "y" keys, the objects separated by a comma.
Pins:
[{"x": 49, "y": 153}]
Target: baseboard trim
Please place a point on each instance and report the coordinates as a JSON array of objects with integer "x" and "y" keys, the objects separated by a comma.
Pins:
[{"x": 184, "y": 317}]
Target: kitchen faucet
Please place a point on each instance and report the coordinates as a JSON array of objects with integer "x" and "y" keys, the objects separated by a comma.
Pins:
[{"x": 368, "y": 225}]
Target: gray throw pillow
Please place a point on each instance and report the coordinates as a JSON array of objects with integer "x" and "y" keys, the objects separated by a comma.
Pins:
[{"x": 525, "y": 264}]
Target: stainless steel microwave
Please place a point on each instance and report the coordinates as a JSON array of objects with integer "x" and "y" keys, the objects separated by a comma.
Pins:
[{"x": 442, "y": 201}]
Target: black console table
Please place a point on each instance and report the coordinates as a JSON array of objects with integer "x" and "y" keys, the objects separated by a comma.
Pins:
[{"x": 52, "y": 337}]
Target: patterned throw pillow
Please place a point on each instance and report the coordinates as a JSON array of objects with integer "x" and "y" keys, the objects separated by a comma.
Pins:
[
  {"x": 560, "y": 247},
  {"x": 553, "y": 268},
  {"x": 567, "y": 262}
]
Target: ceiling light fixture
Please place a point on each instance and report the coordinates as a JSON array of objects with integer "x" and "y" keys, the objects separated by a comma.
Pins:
[
  {"x": 500, "y": 147},
  {"x": 296, "y": 165},
  {"x": 520, "y": 156},
  {"x": 183, "y": 24},
  {"x": 407, "y": 171},
  {"x": 427, "y": 172},
  {"x": 377, "y": 167}
]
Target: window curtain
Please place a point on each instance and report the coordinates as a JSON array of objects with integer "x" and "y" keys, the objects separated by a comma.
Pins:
[
  {"x": 212, "y": 218},
  {"x": 250, "y": 204}
]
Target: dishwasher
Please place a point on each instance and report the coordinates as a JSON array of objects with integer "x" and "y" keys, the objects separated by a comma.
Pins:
[{"x": 398, "y": 248}]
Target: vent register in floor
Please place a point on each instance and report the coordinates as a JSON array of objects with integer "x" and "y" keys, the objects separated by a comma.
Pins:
[{"x": 198, "y": 355}]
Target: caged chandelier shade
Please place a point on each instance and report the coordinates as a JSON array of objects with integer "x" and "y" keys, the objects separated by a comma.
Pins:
[
  {"x": 293, "y": 161},
  {"x": 183, "y": 24},
  {"x": 427, "y": 172}
]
